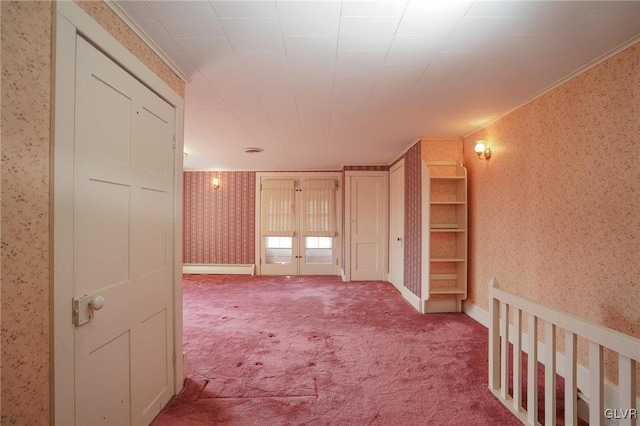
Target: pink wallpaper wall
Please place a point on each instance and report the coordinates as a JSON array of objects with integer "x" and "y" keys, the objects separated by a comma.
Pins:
[
  {"x": 26, "y": 112},
  {"x": 413, "y": 219},
  {"x": 219, "y": 224},
  {"x": 554, "y": 214},
  {"x": 26, "y": 45}
]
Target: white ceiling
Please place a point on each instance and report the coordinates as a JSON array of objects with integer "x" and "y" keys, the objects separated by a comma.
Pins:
[{"x": 321, "y": 84}]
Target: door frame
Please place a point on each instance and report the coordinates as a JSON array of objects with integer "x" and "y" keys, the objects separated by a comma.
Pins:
[
  {"x": 392, "y": 176},
  {"x": 346, "y": 272},
  {"x": 70, "y": 20},
  {"x": 338, "y": 239}
]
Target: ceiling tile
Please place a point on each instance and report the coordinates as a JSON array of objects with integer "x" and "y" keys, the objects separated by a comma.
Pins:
[
  {"x": 476, "y": 33},
  {"x": 413, "y": 49},
  {"x": 360, "y": 62},
  {"x": 606, "y": 31},
  {"x": 254, "y": 35},
  {"x": 311, "y": 50},
  {"x": 432, "y": 17},
  {"x": 187, "y": 18},
  {"x": 245, "y": 9},
  {"x": 309, "y": 9},
  {"x": 309, "y": 18},
  {"x": 373, "y": 8},
  {"x": 311, "y": 74},
  {"x": 218, "y": 114},
  {"x": 367, "y": 33},
  {"x": 207, "y": 51},
  {"x": 400, "y": 74},
  {"x": 310, "y": 26}
]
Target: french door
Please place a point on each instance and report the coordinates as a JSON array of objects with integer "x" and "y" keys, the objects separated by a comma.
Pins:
[{"x": 297, "y": 224}]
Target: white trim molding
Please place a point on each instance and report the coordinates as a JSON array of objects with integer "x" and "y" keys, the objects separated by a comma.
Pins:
[{"x": 213, "y": 269}]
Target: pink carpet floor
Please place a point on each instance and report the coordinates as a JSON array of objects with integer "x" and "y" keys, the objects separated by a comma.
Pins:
[{"x": 317, "y": 351}]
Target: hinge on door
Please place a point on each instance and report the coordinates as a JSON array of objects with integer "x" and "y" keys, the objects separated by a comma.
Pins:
[{"x": 174, "y": 142}]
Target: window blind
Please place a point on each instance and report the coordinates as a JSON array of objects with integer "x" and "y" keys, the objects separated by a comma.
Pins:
[
  {"x": 319, "y": 207},
  {"x": 278, "y": 214}
]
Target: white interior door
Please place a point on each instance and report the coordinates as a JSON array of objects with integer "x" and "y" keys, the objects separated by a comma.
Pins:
[
  {"x": 368, "y": 204},
  {"x": 396, "y": 225},
  {"x": 123, "y": 245}
]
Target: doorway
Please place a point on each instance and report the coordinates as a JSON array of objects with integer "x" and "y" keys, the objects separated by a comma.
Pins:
[
  {"x": 297, "y": 226},
  {"x": 367, "y": 215}
]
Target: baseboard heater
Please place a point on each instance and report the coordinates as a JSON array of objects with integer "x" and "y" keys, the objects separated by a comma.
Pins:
[{"x": 213, "y": 269}]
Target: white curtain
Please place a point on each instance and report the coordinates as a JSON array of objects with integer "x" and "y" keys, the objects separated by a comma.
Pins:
[
  {"x": 278, "y": 214},
  {"x": 319, "y": 207}
]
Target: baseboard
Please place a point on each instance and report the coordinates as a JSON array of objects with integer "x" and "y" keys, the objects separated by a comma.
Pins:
[
  {"x": 610, "y": 390},
  {"x": 411, "y": 298},
  {"x": 199, "y": 268}
]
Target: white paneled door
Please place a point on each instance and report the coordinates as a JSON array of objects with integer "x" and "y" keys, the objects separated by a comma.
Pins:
[
  {"x": 368, "y": 218},
  {"x": 396, "y": 225},
  {"x": 122, "y": 245}
]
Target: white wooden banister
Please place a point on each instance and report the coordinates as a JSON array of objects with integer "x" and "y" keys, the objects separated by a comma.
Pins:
[{"x": 501, "y": 304}]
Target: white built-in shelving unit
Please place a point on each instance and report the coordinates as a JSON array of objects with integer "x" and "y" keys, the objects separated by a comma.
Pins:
[{"x": 447, "y": 252}]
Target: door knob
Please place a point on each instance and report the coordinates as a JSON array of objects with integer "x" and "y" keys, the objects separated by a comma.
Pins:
[
  {"x": 399, "y": 238},
  {"x": 97, "y": 303}
]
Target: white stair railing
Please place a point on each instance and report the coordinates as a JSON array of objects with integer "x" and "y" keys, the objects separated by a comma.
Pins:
[{"x": 501, "y": 303}]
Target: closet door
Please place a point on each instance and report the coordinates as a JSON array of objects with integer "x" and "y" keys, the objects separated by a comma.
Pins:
[{"x": 367, "y": 219}]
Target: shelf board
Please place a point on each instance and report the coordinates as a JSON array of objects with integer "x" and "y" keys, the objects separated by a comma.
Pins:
[
  {"x": 447, "y": 259},
  {"x": 443, "y": 277},
  {"x": 446, "y": 229},
  {"x": 447, "y": 177},
  {"x": 443, "y": 226},
  {"x": 446, "y": 290},
  {"x": 446, "y": 203}
]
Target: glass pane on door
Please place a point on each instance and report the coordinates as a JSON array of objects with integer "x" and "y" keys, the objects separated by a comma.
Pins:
[
  {"x": 278, "y": 250},
  {"x": 318, "y": 250}
]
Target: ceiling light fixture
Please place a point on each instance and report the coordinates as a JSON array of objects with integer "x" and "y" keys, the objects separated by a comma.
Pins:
[
  {"x": 252, "y": 150},
  {"x": 483, "y": 152}
]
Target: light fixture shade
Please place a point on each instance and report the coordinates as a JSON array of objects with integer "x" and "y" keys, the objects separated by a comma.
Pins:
[
  {"x": 483, "y": 152},
  {"x": 215, "y": 182}
]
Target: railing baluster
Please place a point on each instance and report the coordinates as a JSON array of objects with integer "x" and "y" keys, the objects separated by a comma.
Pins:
[
  {"x": 627, "y": 390},
  {"x": 596, "y": 379},
  {"x": 504, "y": 351},
  {"x": 549, "y": 374},
  {"x": 501, "y": 304},
  {"x": 494, "y": 340},
  {"x": 532, "y": 370},
  {"x": 570, "y": 380},
  {"x": 517, "y": 359}
]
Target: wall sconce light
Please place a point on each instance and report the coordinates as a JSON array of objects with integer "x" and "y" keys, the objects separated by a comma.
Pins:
[
  {"x": 215, "y": 182},
  {"x": 483, "y": 152}
]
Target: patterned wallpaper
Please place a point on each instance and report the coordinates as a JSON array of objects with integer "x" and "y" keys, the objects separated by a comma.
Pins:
[
  {"x": 365, "y": 168},
  {"x": 219, "y": 224},
  {"x": 26, "y": 282},
  {"x": 554, "y": 212},
  {"x": 26, "y": 115},
  {"x": 413, "y": 219}
]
